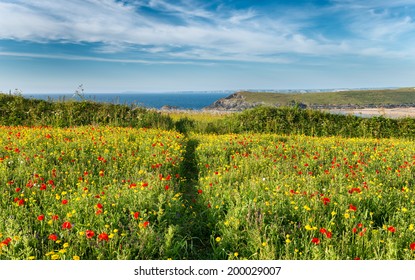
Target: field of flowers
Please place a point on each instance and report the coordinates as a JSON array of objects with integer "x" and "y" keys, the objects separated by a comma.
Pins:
[
  {"x": 89, "y": 193},
  {"x": 96, "y": 192},
  {"x": 297, "y": 197}
]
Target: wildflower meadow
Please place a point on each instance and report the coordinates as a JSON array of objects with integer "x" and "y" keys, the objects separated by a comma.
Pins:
[
  {"x": 100, "y": 192},
  {"x": 91, "y": 181}
]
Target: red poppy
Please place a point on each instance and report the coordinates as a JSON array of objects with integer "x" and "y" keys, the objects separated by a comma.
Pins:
[
  {"x": 145, "y": 224},
  {"x": 315, "y": 240},
  {"x": 65, "y": 201},
  {"x": 362, "y": 232},
  {"x": 89, "y": 233},
  {"x": 53, "y": 237},
  {"x": 326, "y": 200},
  {"x": 66, "y": 225},
  {"x": 391, "y": 229},
  {"x": 166, "y": 187},
  {"x": 18, "y": 189},
  {"x": 99, "y": 205},
  {"x": 199, "y": 191},
  {"x": 412, "y": 246},
  {"x": 136, "y": 214},
  {"x": 20, "y": 202},
  {"x": 55, "y": 217},
  {"x": 354, "y": 230},
  {"x": 352, "y": 207},
  {"x": 323, "y": 230},
  {"x": 41, "y": 217},
  {"x": 329, "y": 234},
  {"x": 6, "y": 241},
  {"x": 355, "y": 190},
  {"x": 103, "y": 237},
  {"x": 99, "y": 211}
]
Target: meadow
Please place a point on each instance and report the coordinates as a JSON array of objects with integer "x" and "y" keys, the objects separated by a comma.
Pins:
[{"x": 232, "y": 187}]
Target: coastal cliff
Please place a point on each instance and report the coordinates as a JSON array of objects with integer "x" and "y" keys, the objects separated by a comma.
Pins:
[
  {"x": 345, "y": 100},
  {"x": 233, "y": 102}
]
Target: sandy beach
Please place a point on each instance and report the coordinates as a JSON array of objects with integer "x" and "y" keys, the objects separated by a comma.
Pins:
[{"x": 371, "y": 112}]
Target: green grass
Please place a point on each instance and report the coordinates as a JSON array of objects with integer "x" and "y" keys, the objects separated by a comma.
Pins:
[{"x": 356, "y": 97}]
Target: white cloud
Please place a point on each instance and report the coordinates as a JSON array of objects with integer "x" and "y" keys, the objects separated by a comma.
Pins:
[
  {"x": 89, "y": 58},
  {"x": 200, "y": 33}
]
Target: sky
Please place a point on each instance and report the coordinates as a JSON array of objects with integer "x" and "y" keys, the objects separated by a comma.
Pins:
[{"x": 53, "y": 46}]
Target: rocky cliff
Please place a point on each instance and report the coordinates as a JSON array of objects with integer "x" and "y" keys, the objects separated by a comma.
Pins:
[{"x": 233, "y": 102}]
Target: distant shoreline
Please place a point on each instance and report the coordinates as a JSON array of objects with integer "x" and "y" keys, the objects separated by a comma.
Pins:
[
  {"x": 406, "y": 112},
  {"x": 377, "y": 112}
]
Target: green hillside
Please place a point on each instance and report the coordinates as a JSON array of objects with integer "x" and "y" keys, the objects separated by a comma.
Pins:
[{"x": 355, "y": 97}]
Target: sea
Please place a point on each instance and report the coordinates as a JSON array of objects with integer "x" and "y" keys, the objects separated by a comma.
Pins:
[{"x": 180, "y": 100}]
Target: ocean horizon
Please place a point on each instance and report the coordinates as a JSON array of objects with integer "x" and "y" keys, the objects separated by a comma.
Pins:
[{"x": 181, "y": 100}]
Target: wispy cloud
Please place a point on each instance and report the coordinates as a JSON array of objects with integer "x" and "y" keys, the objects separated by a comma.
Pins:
[
  {"x": 91, "y": 58},
  {"x": 379, "y": 20},
  {"x": 193, "y": 30}
]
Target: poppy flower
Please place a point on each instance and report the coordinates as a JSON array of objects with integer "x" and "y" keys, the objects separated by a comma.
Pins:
[
  {"x": 412, "y": 246},
  {"x": 66, "y": 225},
  {"x": 199, "y": 191},
  {"x": 166, "y": 187},
  {"x": 352, "y": 207},
  {"x": 315, "y": 240},
  {"x": 329, "y": 234},
  {"x": 65, "y": 201},
  {"x": 89, "y": 233},
  {"x": 6, "y": 241},
  {"x": 103, "y": 237},
  {"x": 55, "y": 217},
  {"x": 99, "y": 205},
  {"x": 40, "y": 217},
  {"x": 20, "y": 202},
  {"x": 391, "y": 229},
  {"x": 362, "y": 232},
  {"x": 145, "y": 224},
  {"x": 53, "y": 237},
  {"x": 136, "y": 214},
  {"x": 326, "y": 200}
]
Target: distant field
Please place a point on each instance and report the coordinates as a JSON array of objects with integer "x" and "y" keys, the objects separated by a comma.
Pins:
[{"x": 356, "y": 97}]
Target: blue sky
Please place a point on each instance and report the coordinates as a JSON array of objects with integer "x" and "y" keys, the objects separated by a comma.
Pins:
[{"x": 158, "y": 45}]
